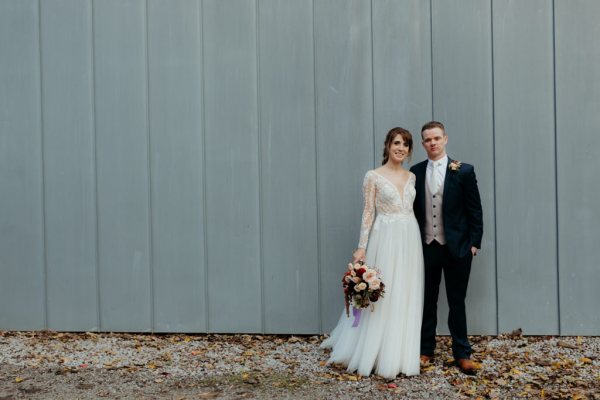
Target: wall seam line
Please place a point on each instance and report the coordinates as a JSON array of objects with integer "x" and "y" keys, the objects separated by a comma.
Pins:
[
  {"x": 431, "y": 55},
  {"x": 43, "y": 170},
  {"x": 149, "y": 174},
  {"x": 373, "y": 84},
  {"x": 556, "y": 197},
  {"x": 260, "y": 168},
  {"x": 317, "y": 192},
  {"x": 95, "y": 154},
  {"x": 203, "y": 143},
  {"x": 494, "y": 166}
]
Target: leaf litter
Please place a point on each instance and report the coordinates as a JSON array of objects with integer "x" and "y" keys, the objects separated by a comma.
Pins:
[{"x": 42, "y": 365}]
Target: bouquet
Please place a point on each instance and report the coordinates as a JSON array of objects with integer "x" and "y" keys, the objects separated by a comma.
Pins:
[{"x": 362, "y": 286}]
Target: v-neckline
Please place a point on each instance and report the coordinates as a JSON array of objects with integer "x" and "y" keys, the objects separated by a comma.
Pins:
[{"x": 400, "y": 193}]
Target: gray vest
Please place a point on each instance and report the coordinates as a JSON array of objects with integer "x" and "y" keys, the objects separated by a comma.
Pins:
[{"x": 434, "y": 219}]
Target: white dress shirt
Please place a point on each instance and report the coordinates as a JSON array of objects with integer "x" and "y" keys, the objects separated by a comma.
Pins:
[{"x": 441, "y": 172}]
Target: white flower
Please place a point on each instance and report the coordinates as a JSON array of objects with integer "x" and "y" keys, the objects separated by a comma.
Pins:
[
  {"x": 374, "y": 284},
  {"x": 370, "y": 275},
  {"x": 360, "y": 287},
  {"x": 350, "y": 267},
  {"x": 357, "y": 266},
  {"x": 454, "y": 165},
  {"x": 347, "y": 278},
  {"x": 356, "y": 279}
]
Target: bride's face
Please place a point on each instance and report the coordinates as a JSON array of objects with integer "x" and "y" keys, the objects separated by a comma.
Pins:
[{"x": 398, "y": 150}]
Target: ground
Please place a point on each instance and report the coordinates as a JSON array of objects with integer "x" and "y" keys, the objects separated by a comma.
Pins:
[{"x": 50, "y": 365}]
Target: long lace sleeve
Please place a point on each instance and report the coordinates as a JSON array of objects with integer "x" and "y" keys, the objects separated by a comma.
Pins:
[{"x": 369, "y": 192}]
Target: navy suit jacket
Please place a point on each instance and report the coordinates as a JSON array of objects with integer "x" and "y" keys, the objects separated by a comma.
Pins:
[{"x": 461, "y": 207}]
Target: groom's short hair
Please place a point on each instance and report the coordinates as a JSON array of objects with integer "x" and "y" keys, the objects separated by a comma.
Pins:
[{"x": 431, "y": 125}]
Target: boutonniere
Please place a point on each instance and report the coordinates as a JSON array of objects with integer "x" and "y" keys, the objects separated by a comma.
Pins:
[{"x": 454, "y": 165}]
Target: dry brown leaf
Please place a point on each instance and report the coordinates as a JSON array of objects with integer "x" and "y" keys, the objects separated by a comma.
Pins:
[{"x": 567, "y": 345}]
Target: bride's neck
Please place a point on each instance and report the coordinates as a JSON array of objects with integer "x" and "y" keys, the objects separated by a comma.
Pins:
[{"x": 393, "y": 166}]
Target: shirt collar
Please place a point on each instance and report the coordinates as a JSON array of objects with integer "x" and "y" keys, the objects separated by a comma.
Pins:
[{"x": 443, "y": 160}]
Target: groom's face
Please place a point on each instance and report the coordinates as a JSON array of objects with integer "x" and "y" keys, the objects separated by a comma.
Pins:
[{"x": 434, "y": 143}]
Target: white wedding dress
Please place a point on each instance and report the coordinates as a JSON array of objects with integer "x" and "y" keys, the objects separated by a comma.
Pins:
[{"x": 387, "y": 339}]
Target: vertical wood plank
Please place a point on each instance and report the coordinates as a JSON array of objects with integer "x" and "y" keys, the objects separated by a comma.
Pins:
[
  {"x": 525, "y": 187},
  {"x": 344, "y": 88},
  {"x": 70, "y": 181},
  {"x": 463, "y": 101},
  {"x": 232, "y": 166},
  {"x": 288, "y": 176},
  {"x": 577, "y": 121},
  {"x": 22, "y": 285},
  {"x": 175, "y": 68},
  {"x": 122, "y": 163},
  {"x": 401, "y": 69}
]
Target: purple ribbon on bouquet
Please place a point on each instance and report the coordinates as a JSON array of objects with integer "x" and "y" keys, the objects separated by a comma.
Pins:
[{"x": 356, "y": 313}]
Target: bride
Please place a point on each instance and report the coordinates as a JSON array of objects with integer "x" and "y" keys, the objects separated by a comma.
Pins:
[{"x": 387, "y": 339}]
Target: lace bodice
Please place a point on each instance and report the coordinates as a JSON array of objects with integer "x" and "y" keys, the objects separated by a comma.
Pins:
[{"x": 383, "y": 200}]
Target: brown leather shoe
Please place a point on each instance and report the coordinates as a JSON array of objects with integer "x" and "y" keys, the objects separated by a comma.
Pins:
[
  {"x": 425, "y": 360},
  {"x": 466, "y": 366}
]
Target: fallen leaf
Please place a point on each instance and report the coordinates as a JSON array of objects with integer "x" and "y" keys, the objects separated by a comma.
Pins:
[
  {"x": 567, "y": 345},
  {"x": 209, "y": 395},
  {"x": 19, "y": 380}
]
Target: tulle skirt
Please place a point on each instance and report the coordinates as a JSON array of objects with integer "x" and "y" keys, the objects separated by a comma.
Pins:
[{"x": 387, "y": 339}]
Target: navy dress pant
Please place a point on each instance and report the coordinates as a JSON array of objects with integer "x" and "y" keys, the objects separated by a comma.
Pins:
[{"x": 437, "y": 258}]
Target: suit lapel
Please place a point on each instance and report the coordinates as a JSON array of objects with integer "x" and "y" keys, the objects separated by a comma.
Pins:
[
  {"x": 421, "y": 178},
  {"x": 447, "y": 182}
]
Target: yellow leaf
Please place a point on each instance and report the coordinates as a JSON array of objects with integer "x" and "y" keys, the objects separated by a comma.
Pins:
[
  {"x": 19, "y": 380},
  {"x": 323, "y": 363},
  {"x": 248, "y": 353},
  {"x": 585, "y": 360},
  {"x": 352, "y": 378}
]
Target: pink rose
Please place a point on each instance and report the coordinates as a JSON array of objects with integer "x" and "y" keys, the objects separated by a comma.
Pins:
[
  {"x": 370, "y": 275},
  {"x": 374, "y": 284}
]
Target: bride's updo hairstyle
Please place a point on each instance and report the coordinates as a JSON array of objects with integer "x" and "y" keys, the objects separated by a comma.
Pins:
[{"x": 406, "y": 136}]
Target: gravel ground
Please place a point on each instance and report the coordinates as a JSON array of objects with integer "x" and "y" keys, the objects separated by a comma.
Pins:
[{"x": 47, "y": 365}]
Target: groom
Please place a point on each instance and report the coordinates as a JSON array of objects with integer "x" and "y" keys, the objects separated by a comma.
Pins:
[{"x": 448, "y": 208}]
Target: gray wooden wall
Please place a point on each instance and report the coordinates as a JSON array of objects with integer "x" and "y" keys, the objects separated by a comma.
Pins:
[{"x": 195, "y": 165}]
